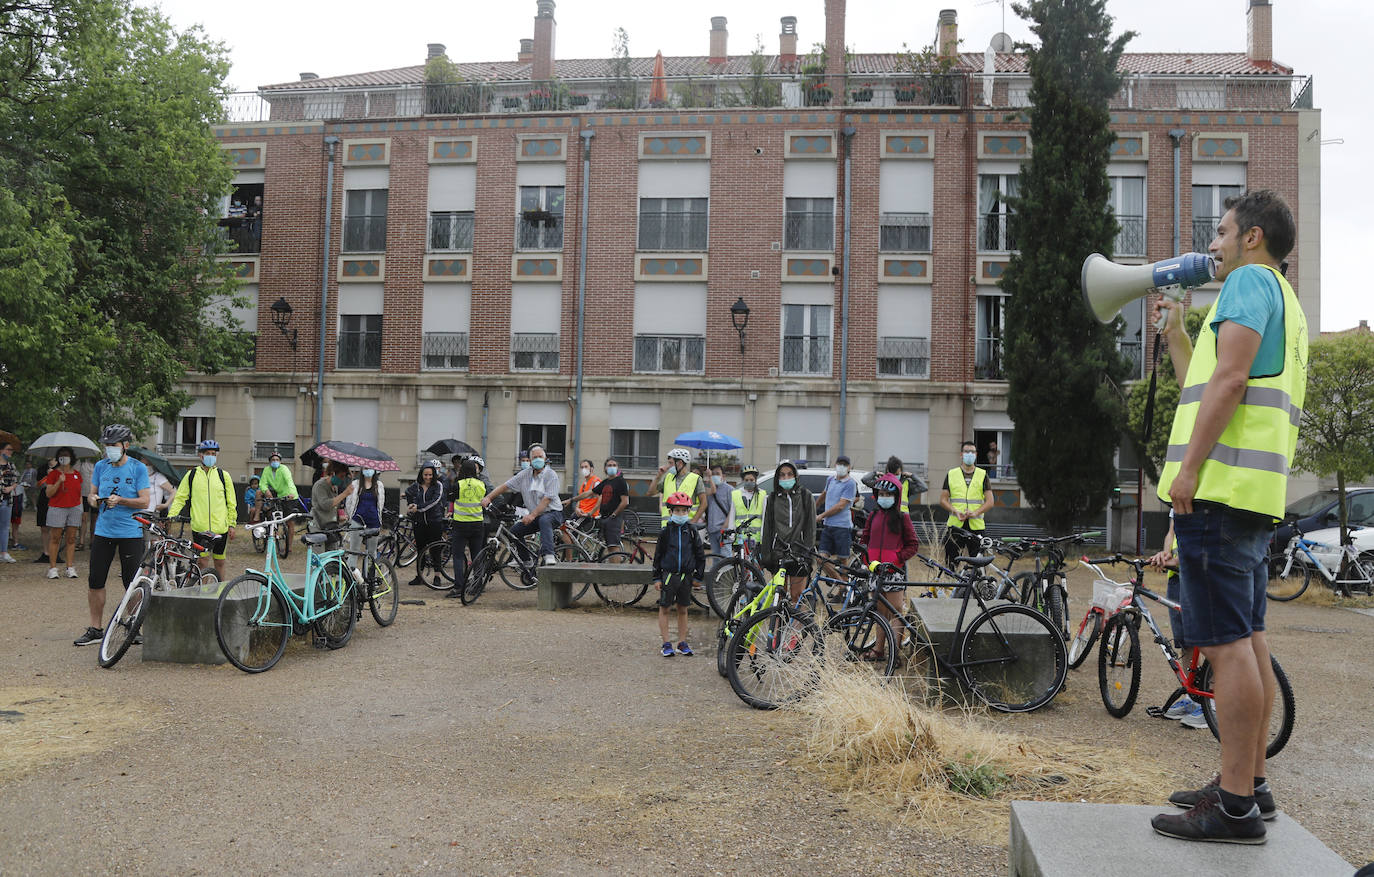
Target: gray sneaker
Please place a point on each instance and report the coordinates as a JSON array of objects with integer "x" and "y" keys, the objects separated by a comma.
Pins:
[
  {"x": 92, "y": 636},
  {"x": 1209, "y": 821},
  {"x": 1264, "y": 798}
]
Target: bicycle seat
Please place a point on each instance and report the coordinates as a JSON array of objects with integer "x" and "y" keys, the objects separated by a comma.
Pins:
[
  {"x": 314, "y": 538},
  {"x": 977, "y": 562}
]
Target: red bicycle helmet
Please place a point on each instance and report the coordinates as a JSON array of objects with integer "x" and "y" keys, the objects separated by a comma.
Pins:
[
  {"x": 888, "y": 482},
  {"x": 679, "y": 499}
]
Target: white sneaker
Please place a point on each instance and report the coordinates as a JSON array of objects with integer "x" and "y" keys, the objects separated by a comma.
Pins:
[
  {"x": 71, "y": 572},
  {"x": 1182, "y": 707},
  {"x": 52, "y": 572},
  {"x": 550, "y": 560},
  {"x": 1195, "y": 718},
  {"x": 5, "y": 558}
]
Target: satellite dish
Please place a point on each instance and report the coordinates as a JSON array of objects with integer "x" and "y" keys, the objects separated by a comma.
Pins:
[{"x": 1002, "y": 43}]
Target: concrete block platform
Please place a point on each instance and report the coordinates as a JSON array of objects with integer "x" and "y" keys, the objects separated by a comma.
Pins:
[
  {"x": 1052, "y": 839},
  {"x": 179, "y": 626},
  {"x": 555, "y": 582}
]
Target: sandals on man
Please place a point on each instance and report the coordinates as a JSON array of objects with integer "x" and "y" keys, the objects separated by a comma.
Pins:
[{"x": 873, "y": 656}]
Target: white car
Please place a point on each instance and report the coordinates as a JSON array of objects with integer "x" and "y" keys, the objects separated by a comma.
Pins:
[
  {"x": 1329, "y": 539},
  {"x": 814, "y": 481}
]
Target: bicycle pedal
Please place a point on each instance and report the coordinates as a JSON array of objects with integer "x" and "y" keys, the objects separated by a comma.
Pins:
[
  {"x": 1154, "y": 712},
  {"x": 320, "y": 643}
]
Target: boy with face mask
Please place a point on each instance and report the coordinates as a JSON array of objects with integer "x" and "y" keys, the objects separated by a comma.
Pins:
[{"x": 678, "y": 562}]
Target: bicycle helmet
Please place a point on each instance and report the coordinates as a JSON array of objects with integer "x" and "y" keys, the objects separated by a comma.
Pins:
[
  {"x": 888, "y": 483},
  {"x": 116, "y": 433},
  {"x": 680, "y": 454},
  {"x": 749, "y": 470},
  {"x": 478, "y": 461},
  {"x": 679, "y": 499},
  {"x": 207, "y": 445}
]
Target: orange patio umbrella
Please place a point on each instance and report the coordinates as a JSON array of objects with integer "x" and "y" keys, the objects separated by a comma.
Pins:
[{"x": 658, "y": 89}]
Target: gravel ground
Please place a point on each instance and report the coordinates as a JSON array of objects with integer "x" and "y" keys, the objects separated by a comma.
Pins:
[{"x": 496, "y": 739}]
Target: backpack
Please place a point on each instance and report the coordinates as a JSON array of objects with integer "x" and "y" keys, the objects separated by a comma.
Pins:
[{"x": 191, "y": 488}]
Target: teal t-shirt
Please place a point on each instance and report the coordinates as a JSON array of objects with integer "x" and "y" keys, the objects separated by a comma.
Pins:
[{"x": 1251, "y": 297}]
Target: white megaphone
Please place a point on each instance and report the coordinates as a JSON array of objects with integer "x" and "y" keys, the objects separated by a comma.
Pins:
[{"x": 1108, "y": 287}]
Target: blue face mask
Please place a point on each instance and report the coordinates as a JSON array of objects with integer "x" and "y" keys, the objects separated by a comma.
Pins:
[
  {"x": 787, "y": 483},
  {"x": 524, "y": 464},
  {"x": 612, "y": 470},
  {"x": 113, "y": 453},
  {"x": 678, "y": 519},
  {"x": 969, "y": 457},
  {"x": 886, "y": 502},
  {"x": 368, "y": 473},
  {"x": 209, "y": 460},
  {"x": 276, "y": 464},
  {"x": 537, "y": 463}
]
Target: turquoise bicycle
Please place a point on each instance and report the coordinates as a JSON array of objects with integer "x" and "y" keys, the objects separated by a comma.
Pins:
[{"x": 258, "y": 611}]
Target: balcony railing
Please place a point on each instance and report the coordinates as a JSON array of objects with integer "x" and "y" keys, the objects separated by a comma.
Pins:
[
  {"x": 534, "y": 351},
  {"x": 997, "y": 232},
  {"x": 263, "y": 450},
  {"x": 809, "y": 231},
  {"x": 450, "y": 232},
  {"x": 635, "y": 461},
  {"x": 904, "y": 233},
  {"x": 806, "y": 355},
  {"x": 904, "y": 357},
  {"x": 176, "y": 449},
  {"x": 670, "y": 354},
  {"x": 364, "y": 234},
  {"x": 987, "y": 365},
  {"x": 243, "y": 233},
  {"x": 361, "y": 349},
  {"x": 672, "y": 230},
  {"x": 1204, "y": 229},
  {"x": 446, "y": 350},
  {"x": 1130, "y": 241},
  {"x": 544, "y": 232}
]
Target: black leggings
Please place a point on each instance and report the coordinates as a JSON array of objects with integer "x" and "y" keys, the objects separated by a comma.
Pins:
[
  {"x": 425, "y": 534},
  {"x": 103, "y": 550},
  {"x": 469, "y": 535}
]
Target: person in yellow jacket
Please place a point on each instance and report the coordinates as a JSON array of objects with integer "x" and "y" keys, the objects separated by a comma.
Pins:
[
  {"x": 1226, "y": 475},
  {"x": 676, "y": 476},
  {"x": 966, "y": 497},
  {"x": 214, "y": 506}
]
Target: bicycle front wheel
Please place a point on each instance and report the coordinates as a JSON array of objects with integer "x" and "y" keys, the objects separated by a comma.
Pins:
[
  {"x": 518, "y": 574},
  {"x": 259, "y": 542},
  {"x": 436, "y": 568},
  {"x": 379, "y": 584},
  {"x": 623, "y": 594},
  {"x": 1289, "y": 583},
  {"x": 252, "y": 623},
  {"x": 479, "y": 573},
  {"x": 773, "y": 658},
  {"x": 1012, "y": 659},
  {"x": 727, "y": 577},
  {"x": 124, "y": 623},
  {"x": 334, "y": 587},
  {"x": 1118, "y": 665},
  {"x": 1082, "y": 644},
  {"x": 631, "y": 525},
  {"x": 1281, "y": 713},
  {"x": 854, "y": 633}
]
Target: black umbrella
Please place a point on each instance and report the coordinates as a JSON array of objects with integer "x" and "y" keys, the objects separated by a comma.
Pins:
[
  {"x": 453, "y": 446},
  {"x": 158, "y": 462}
]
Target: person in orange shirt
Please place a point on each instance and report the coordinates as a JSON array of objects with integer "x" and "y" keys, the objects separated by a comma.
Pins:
[{"x": 587, "y": 501}]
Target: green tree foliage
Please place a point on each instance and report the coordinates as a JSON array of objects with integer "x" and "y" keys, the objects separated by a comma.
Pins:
[
  {"x": 1335, "y": 437},
  {"x": 1062, "y": 365},
  {"x": 1166, "y": 403},
  {"x": 110, "y": 182},
  {"x": 620, "y": 93}
]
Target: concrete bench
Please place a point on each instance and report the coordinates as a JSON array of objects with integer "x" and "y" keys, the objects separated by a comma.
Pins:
[
  {"x": 556, "y": 582},
  {"x": 179, "y": 626},
  {"x": 1049, "y": 839}
]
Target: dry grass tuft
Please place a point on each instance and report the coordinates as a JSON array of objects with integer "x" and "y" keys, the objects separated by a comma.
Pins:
[
  {"x": 42, "y": 726},
  {"x": 950, "y": 771}
]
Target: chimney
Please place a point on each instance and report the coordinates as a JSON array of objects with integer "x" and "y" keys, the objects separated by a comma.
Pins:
[
  {"x": 1259, "y": 32},
  {"x": 787, "y": 42},
  {"x": 947, "y": 36},
  {"x": 541, "y": 66},
  {"x": 435, "y": 50},
  {"x": 834, "y": 46},
  {"x": 306, "y": 77},
  {"x": 718, "y": 39},
  {"x": 526, "y": 50}
]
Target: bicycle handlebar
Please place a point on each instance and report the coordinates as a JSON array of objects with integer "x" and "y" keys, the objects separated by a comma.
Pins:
[{"x": 275, "y": 522}]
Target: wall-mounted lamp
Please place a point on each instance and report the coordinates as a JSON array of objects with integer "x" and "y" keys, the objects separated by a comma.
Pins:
[{"x": 281, "y": 318}]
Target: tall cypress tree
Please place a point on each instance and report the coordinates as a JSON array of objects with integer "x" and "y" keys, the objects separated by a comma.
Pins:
[{"x": 1063, "y": 367}]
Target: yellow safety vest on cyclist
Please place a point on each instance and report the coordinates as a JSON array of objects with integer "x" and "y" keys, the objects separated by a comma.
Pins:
[
  {"x": 214, "y": 506},
  {"x": 752, "y": 509},
  {"x": 905, "y": 504},
  {"x": 965, "y": 496},
  {"x": 467, "y": 506},
  {"x": 1248, "y": 466},
  {"x": 671, "y": 485}
]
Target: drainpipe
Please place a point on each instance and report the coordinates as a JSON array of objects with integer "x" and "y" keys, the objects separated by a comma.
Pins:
[
  {"x": 586, "y": 134},
  {"x": 486, "y": 409},
  {"x": 847, "y": 132},
  {"x": 331, "y": 141}
]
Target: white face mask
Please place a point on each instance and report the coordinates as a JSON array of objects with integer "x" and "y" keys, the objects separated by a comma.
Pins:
[
  {"x": 586, "y": 472},
  {"x": 841, "y": 469},
  {"x": 64, "y": 461}
]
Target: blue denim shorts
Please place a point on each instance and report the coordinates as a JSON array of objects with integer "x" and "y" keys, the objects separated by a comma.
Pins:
[
  {"x": 835, "y": 541},
  {"x": 1222, "y": 573}
]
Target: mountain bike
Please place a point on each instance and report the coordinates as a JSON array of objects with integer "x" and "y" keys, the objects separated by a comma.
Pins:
[
  {"x": 258, "y": 611},
  {"x": 375, "y": 579},
  {"x": 397, "y": 543},
  {"x": 274, "y": 507},
  {"x": 504, "y": 556},
  {"x": 1298, "y": 562},
  {"x": 1118, "y": 663},
  {"x": 1046, "y": 589}
]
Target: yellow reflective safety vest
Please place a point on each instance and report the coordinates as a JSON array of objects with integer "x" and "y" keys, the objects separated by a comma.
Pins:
[
  {"x": 671, "y": 485},
  {"x": 1247, "y": 468},
  {"x": 214, "y": 505},
  {"x": 966, "y": 496},
  {"x": 748, "y": 515},
  {"x": 905, "y": 504},
  {"x": 467, "y": 504}
]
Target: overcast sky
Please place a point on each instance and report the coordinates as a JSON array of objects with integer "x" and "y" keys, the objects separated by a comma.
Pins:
[{"x": 273, "y": 41}]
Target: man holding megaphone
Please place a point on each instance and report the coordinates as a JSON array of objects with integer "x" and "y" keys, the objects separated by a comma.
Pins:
[{"x": 1226, "y": 475}]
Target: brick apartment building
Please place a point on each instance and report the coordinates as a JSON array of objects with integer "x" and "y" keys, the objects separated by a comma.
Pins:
[{"x": 450, "y": 248}]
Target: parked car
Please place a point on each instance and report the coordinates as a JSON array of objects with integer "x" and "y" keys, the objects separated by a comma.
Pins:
[
  {"x": 814, "y": 481},
  {"x": 1329, "y": 539},
  {"x": 1318, "y": 511}
]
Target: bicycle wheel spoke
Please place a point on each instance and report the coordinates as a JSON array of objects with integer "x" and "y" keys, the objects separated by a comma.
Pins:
[
  {"x": 1012, "y": 659},
  {"x": 774, "y": 658},
  {"x": 252, "y": 623}
]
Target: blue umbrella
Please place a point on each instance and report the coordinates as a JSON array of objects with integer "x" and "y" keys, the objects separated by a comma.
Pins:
[{"x": 708, "y": 440}]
